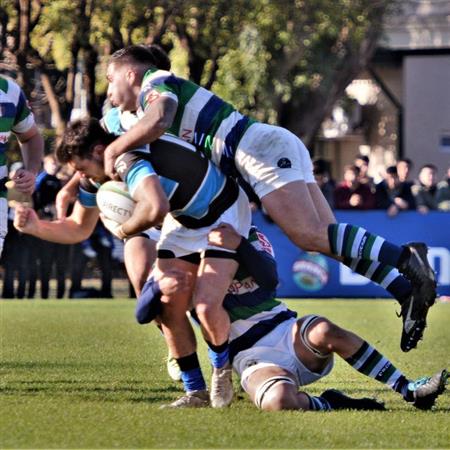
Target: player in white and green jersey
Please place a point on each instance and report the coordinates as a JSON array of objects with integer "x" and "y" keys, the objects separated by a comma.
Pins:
[
  {"x": 277, "y": 165},
  {"x": 201, "y": 118},
  {"x": 275, "y": 353},
  {"x": 16, "y": 117}
]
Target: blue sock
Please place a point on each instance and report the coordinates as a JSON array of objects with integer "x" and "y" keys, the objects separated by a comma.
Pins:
[
  {"x": 219, "y": 360},
  {"x": 191, "y": 374}
]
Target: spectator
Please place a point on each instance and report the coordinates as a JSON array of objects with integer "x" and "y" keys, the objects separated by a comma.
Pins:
[
  {"x": 393, "y": 195},
  {"x": 99, "y": 246},
  {"x": 362, "y": 163},
  {"x": 404, "y": 167},
  {"x": 425, "y": 189},
  {"x": 18, "y": 257},
  {"x": 49, "y": 254},
  {"x": 351, "y": 193},
  {"x": 324, "y": 181},
  {"x": 443, "y": 193}
]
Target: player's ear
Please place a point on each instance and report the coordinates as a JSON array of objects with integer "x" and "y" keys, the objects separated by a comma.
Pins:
[
  {"x": 131, "y": 76},
  {"x": 98, "y": 151}
]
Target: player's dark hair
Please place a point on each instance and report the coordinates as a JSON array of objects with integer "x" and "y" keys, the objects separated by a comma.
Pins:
[
  {"x": 79, "y": 139},
  {"x": 146, "y": 55}
]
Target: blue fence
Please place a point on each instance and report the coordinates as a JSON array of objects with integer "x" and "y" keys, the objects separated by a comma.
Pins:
[{"x": 313, "y": 275}]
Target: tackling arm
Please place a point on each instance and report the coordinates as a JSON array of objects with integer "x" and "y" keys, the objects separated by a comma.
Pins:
[{"x": 149, "y": 128}]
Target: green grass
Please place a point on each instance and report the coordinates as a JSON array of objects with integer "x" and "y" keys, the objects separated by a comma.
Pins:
[{"x": 83, "y": 374}]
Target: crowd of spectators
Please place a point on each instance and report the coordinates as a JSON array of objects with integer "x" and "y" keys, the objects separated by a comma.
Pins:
[
  {"x": 27, "y": 260},
  {"x": 396, "y": 192}
]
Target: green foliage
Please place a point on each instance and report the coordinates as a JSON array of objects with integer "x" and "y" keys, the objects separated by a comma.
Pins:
[
  {"x": 272, "y": 59},
  {"x": 83, "y": 374}
]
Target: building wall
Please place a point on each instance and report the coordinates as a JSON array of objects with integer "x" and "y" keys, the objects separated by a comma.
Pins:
[{"x": 426, "y": 85}]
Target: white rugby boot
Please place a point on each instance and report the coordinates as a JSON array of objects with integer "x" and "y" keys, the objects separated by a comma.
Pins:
[
  {"x": 221, "y": 387},
  {"x": 193, "y": 399}
]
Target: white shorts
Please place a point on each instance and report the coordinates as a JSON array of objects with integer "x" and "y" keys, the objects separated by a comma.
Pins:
[
  {"x": 153, "y": 233},
  {"x": 268, "y": 157},
  {"x": 276, "y": 349},
  {"x": 182, "y": 241}
]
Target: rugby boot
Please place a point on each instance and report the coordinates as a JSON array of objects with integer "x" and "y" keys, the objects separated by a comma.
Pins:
[
  {"x": 424, "y": 391},
  {"x": 193, "y": 399},
  {"x": 415, "y": 308},
  {"x": 418, "y": 270},
  {"x": 338, "y": 400},
  {"x": 221, "y": 387},
  {"x": 413, "y": 328}
]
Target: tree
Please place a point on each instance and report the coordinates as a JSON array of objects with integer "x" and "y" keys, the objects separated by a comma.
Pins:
[
  {"x": 308, "y": 52},
  {"x": 283, "y": 61}
]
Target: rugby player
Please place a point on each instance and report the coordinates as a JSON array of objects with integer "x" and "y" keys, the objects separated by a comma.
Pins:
[
  {"x": 277, "y": 165},
  {"x": 16, "y": 117},
  {"x": 197, "y": 195},
  {"x": 275, "y": 353}
]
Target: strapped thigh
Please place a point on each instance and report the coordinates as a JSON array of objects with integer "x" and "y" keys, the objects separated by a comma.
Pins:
[
  {"x": 269, "y": 384},
  {"x": 307, "y": 322}
]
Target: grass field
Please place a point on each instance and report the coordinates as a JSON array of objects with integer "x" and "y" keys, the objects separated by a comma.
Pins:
[{"x": 82, "y": 374}]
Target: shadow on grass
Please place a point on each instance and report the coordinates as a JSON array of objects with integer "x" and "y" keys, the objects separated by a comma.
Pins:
[{"x": 91, "y": 390}]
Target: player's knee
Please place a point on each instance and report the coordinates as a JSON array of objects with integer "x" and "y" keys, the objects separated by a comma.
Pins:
[
  {"x": 322, "y": 334},
  {"x": 205, "y": 309},
  {"x": 280, "y": 397}
]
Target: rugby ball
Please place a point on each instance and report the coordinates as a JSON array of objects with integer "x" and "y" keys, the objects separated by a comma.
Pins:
[{"x": 115, "y": 202}]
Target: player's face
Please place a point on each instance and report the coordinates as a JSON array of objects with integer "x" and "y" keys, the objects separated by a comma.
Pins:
[
  {"x": 120, "y": 89},
  {"x": 90, "y": 168}
]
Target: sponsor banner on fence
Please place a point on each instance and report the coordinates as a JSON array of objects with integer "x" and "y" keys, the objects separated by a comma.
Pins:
[{"x": 314, "y": 275}]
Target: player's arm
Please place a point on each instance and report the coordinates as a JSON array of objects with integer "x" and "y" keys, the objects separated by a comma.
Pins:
[
  {"x": 144, "y": 186},
  {"x": 76, "y": 228},
  {"x": 32, "y": 149},
  {"x": 258, "y": 263},
  {"x": 156, "y": 120},
  {"x": 67, "y": 195}
]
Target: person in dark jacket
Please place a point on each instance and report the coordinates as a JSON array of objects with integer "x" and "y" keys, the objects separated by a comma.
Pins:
[{"x": 394, "y": 195}]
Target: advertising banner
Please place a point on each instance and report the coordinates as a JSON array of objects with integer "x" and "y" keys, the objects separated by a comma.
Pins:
[{"x": 304, "y": 274}]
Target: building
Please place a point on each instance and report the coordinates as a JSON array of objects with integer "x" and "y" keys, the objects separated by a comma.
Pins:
[{"x": 402, "y": 101}]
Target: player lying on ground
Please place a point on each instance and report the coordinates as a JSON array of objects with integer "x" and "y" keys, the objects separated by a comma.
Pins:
[
  {"x": 277, "y": 166},
  {"x": 275, "y": 353},
  {"x": 197, "y": 196}
]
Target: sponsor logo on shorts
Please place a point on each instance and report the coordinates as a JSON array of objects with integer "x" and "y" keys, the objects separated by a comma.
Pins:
[{"x": 284, "y": 163}]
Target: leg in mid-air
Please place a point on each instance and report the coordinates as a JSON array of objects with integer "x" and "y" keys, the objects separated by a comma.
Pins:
[{"x": 284, "y": 181}]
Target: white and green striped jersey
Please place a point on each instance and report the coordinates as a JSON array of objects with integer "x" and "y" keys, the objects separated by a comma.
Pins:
[
  {"x": 202, "y": 118},
  {"x": 15, "y": 116},
  {"x": 253, "y": 309}
]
